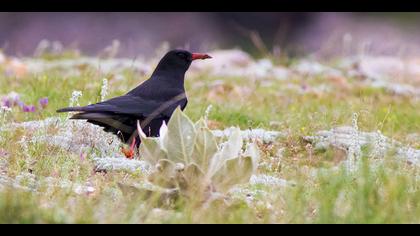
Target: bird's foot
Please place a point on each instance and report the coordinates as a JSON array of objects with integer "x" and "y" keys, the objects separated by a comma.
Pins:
[{"x": 129, "y": 153}]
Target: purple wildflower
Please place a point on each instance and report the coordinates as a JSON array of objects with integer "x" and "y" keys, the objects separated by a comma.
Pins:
[
  {"x": 10, "y": 100},
  {"x": 7, "y": 103},
  {"x": 14, "y": 98},
  {"x": 29, "y": 108},
  {"x": 82, "y": 156},
  {"x": 21, "y": 104},
  {"x": 43, "y": 102},
  {"x": 3, "y": 153}
]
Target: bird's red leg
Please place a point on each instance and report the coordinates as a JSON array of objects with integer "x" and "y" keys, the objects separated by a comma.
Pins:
[{"x": 130, "y": 152}]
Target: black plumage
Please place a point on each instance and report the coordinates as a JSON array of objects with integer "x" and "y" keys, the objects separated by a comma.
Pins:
[{"x": 151, "y": 103}]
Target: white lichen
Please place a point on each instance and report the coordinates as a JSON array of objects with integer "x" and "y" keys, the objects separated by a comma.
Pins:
[
  {"x": 121, "y": 164},
  {"x": 250, "y": 134},
  {"x": 352, "y": 141},
  {"x": 75, "y": 136},
  {"x": 270, "y": 181},
  {"x": 30, "y": 182},
  {"x": 313, "y": 68}
]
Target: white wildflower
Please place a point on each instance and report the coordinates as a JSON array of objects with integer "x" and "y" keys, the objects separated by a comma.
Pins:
[
  {"x": 104, "y": 89},
  {"x": 207, "y": 112},
  {"x": 74, "y": 100},
  {"x": 380, "y": 144},
  {"x": 354, "y": 149},
  {"x": 355, "y": 121},
  {"x": 3, "y": 114},
  {"x": 24, "y": 145}
]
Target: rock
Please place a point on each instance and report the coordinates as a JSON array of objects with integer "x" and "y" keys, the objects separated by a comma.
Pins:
[
  {"x": 397, "y": 88},
  {"x": 381, "y": 68},
  {"x": 74, "y": 66}
]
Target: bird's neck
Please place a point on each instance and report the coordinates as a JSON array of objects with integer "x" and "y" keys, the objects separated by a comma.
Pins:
[{"x": 173, "y": 79}]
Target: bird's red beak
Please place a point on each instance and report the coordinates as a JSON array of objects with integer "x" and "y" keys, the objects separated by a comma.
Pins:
[{"x": 202, "y": 56}]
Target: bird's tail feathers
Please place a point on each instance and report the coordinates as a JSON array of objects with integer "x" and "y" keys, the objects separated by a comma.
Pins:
[{"x": 68, "y": 109}]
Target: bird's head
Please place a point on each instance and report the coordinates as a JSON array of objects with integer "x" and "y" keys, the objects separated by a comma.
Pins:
[{"x": 179, "y": 60}]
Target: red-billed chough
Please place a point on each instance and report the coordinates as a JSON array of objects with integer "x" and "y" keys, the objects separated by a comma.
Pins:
[{"x": 151, "y": 103}]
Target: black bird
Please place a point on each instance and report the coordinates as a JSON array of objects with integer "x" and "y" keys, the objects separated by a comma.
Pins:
[{"x": 150, "y": 103}]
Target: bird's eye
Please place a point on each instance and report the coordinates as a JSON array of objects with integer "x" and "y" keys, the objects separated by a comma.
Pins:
[{"x": 182, "y": 55}]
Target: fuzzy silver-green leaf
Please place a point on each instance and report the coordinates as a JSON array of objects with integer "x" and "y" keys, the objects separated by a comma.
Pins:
[
  {"x": 150, "y": 148},
  {"x": 164, "y": 174},
  {"x": 231, "y": 149},
  {"x": 191, "y": 180},
  {"x": 252, "y": 151},
  {"x": 205, "y": 148},
  {"x": 233, "y": 171},
  {"x": 180, "y": 138}
]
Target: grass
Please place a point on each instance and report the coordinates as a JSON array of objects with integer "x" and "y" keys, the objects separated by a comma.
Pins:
[{"x": 379, "y": 191}]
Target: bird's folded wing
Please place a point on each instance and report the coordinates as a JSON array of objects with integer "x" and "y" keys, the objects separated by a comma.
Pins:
[{"x": 133, "y": 105}]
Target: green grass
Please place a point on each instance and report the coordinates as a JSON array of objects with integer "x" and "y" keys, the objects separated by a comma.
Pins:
[{"x": 387, "y": 192}]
